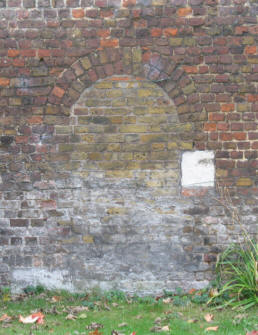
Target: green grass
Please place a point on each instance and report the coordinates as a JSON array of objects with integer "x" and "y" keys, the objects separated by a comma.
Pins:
[{"x": 176, "y": 317}]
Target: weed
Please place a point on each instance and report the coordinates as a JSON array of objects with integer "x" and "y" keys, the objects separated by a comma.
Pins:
[{"x": 238, "y": 275}]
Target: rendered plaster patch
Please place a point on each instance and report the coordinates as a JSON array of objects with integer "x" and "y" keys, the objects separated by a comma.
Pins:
[
  {"x": 52, "y": 280},
  {"x": 198, "y": 169}
]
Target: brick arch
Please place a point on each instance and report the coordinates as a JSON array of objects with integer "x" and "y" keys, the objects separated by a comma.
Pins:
[{"x": 172, "y": 77}]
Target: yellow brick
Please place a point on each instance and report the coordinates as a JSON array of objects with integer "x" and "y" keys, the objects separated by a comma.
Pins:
[
  {"x": 81, "y": 129},
  {"x": 86, "y": 63},
  {"x": 116, "y": 211},
  {"x": 116, "y": 119},
  {"x": 129, "y": 119},
  {"x": 142, "y": 93},
  {"x": 76, "y": 155},
  {"x": 134, "y": 128},
  {"x": 63, "y": 129},
  {"x": 221, "y": 173},
  {"x": 140, "y": 156},
  {"x": 104, "y": 84},
  {"x": 244, "y": 182},
  {"x": 114, "y": 147},
  {"x": 149, "y": 138},
  {"x": 88, "y": 239},
  {"x": 115, "y": 93},
  {"x": 95, "y": 156},
  {"x": 64, "y": 147},
  {"x": 88, "y": 138},
  {"x": 186, "y": 145},
  {"x": 154, "y": 183},
  {"x": 126, "y": 156},
  {"x": 158, "y": 146},
  {"x": 119, "y": 174},
  {"x": 172, "y": 145},
  {"x": 159, "y": 110}
]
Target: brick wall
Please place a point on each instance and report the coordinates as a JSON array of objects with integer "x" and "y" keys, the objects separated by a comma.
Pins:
[{"x": 99, "y": 100}]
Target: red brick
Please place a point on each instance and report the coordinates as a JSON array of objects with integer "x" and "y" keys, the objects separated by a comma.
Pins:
[
  {"x": 190, "y": 69},
  {"x": 104, "y": 33},
  {"x": 127, "y": 3},
  {"x": 216, "y": 117},
  {"x": 78, "y": 13},
  {"x": 210, "y": 126},
  {"x": 227, "y": 107},
  {"x": 223, "y": 126},
  {"x": 58, "y": 92},
  {"x": 4, "y": 82},
  {"x": 240, "y": 136},
  {"x": 250, "y": 49},
  {"x": 35, "y": 120},
  {"x": 44, "y": 53},
  {"x": 170, "y": 31},
  {"x": 226, "y": 136},
  {"x": 184, "y": 11},
  {"x": 156, "y": 32},
  {"x": 13, "y": 53},
  {"x": 109, "y": 43}
]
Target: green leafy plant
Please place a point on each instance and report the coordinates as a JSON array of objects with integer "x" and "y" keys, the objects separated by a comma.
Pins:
[
  {"x": 34, "y": 289},
  {"x": 238, "y": 275}
]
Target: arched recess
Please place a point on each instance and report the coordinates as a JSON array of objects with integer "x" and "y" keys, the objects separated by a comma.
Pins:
[
  {"x": 118, "y": 189},
  {"x": 117, "y": 218},
  {"x": 153, "y": 66}
]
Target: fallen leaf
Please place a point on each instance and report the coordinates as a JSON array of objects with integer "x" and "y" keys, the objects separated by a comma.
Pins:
[
  {"x": 94, "y": 325},
  {"x": 192, "y": 321},
  {"x": 115, "y": 332},
  {"x": 253, "y": 332},
  {"x": 192, "y": 291},
  {"x": 208, "y": 317},
  {"x": 106, "y": 307},
  {"x": 123, "y": 324},
  {"x": 95, "y": 332},
  {"x": 5, "y": 318},
  {"x": 167, "y": 301},
  {"x": 155, "y": 329},
  {"x": 215, "y": 328},
  {"x": 71, "y": 317},
  {"x": 40, "y": 316},
  {"x": 114, "y": 304},
  {"x": 157, "y": 320},
  {"x": 82, "y": 316},
  {"x": 78, "y": 309},
  {"x": 138, "y": 317},
  {"x": 213, "y": 292},
  {"x": 165, "y": 328},
  {"x": 55, "y": 299},
  {"x": 28, "y": 319}
]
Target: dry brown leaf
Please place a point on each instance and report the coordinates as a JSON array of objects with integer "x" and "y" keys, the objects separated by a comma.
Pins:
[
  {"x": 156, "y": 329},
  {"x": 114, "y": 304},
  {"x": 94, "y": 325},
  {"x": 71, "y": 317},
  {"x": 138, "y": 317},
  {"x": 215, "y": 328},
  {"x": 165, "y": 328},
  {"x": 192, "y": 321},
  {"x": 55, "y": 299},
  {"x": 5, "y": 318},
  {"x": 208, "y": 317},
  {"x": 157, "y": 320},
  {"x": 167, "y": 300},
  {"x": 213, "y": 292},
  {"x": 95, "y": 332},
  {"x": 123, "y": 324}
]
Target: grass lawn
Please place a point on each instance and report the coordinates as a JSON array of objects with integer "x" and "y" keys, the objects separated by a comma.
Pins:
[{"x": 115, "y": 312}]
